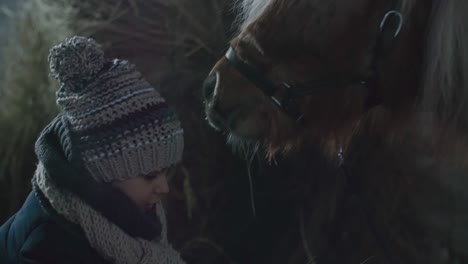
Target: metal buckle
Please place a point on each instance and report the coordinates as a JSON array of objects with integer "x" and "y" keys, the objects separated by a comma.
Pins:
[{"x": 400, "y": 21}]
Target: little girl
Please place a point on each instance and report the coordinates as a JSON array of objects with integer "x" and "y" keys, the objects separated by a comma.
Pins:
[{"x": 103, "y": 163}]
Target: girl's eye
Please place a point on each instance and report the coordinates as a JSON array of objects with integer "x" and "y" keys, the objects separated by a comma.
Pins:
[
  {"x": 169, "y": 173},
  {"x": 150, "y": 177}
]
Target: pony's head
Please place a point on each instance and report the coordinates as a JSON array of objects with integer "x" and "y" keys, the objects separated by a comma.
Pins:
[{"x": 312, "y": 70}]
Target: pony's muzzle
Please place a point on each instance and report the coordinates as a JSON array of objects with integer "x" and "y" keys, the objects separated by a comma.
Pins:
[
  {"x": 209, "y": 86},
  {"x": 213, "y": 115}
]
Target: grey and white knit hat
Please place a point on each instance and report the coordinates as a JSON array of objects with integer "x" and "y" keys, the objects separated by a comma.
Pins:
[{"x": 122, "y": 126}]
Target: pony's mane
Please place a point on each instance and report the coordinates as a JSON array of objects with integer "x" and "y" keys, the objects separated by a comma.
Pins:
[
  {"x": 249, "y": 11},
  {"x": 445, "y": 83}
]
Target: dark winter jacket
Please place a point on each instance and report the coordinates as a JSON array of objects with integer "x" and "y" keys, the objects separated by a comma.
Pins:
[{"x": 37, "y": 234}]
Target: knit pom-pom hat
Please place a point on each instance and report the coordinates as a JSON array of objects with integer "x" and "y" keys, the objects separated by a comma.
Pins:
[{"x": 122, "y": 126}]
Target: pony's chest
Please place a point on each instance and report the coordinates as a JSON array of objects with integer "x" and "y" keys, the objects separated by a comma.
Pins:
[{"x": 419, "y": 203}]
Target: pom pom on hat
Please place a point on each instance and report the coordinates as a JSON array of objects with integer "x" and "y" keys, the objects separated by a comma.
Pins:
[{"x": 76, "y": 61}]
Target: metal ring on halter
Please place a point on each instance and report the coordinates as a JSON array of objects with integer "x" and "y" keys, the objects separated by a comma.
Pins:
[{"x": 400, "y": 21}]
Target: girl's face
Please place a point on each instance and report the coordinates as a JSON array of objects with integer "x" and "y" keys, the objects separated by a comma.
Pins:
[{"x": 145, "y": 191}]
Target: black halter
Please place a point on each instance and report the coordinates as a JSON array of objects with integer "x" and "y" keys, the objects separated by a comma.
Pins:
[{"x": 390, "y": 27}]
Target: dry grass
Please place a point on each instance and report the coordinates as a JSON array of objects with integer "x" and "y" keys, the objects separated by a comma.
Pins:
[
  {"x": 26, "y": 92},
  {"x": 174, "y": 43}
]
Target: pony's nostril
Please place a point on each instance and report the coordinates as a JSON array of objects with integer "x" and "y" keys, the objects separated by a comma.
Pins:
[{"x": 209, "y": 86}]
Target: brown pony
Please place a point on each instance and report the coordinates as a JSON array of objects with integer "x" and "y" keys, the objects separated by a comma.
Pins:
[{"x": 381, "y": 84}]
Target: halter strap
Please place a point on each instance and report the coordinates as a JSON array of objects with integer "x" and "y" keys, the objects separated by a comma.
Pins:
[
  {"x": 390, "y": 27},
  {"x": 265, "y": 85}
]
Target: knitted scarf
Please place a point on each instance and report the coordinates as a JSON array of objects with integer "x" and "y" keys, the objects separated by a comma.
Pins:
[{"x": 105, "y": 237}]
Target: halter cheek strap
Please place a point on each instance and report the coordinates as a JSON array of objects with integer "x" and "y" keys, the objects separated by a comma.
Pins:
[{"x": 390, "y": 28}]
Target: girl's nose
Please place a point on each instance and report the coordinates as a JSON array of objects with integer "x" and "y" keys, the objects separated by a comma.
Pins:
[{"x": 161, "y": 185}]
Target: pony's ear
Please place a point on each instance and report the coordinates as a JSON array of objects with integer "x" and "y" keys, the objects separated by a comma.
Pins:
[{"x": 445, "y": 81}]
